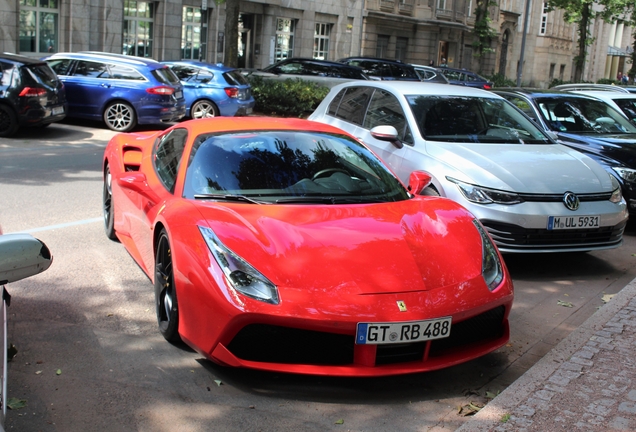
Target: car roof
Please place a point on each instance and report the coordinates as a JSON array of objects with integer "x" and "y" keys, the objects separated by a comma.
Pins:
[
  {"x": 422, "y": 88},
  {"x": 17, "y": 58},
  {"x": 201, "y": 64},
  {"x": 237, "y": 124},
  {"x": 104, "y": 56},
  {"x": 376, "y": 59},
  {"x": 534, "y": 92},
  {"x": 607, "y": 94},
  {"x": 317, "y": 61},
  {"x": 590, "y": 86}
]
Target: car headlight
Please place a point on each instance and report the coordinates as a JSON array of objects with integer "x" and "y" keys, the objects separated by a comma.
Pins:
[
  {"x": 617, "y": 195},
  {"x": 242, "y": 276},
  {"x": 491, "y": 268},
  {"x": 627, "y": 174},
  {"x": 483, "y": 195}
]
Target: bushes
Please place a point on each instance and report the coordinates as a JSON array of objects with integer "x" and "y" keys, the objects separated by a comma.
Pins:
[
  {"x": 500, "y": 80},
  {"x": 289, "y": 98}
]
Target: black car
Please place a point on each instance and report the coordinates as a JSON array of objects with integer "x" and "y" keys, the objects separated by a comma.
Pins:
[
  {"x": 588, "y": 125},
  {"x": 383, "y": 69},
  {"x": 30, "y": 94},
  {"x": 466, "y": 78},
  {"x": 322, "y": 72}
]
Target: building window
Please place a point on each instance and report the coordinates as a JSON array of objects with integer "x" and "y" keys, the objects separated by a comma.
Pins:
[
  {"x": 382, "y": 47},
  {"x": 138, "y": 28},
  {"x": 544, "y": 19},
  {"x": 469, "y": 12},
  {"x": 321, "y": 41},
  {"x": 401, "y": 45},
  {"x": 284, "y": 39},
  {"x": 552, "y": 66},
  {"x": 191, "y": 33},
  {"x": 561, "y": 72},
  {"x": 39, "y": 26},
  {"x": 441, "y": 4}
]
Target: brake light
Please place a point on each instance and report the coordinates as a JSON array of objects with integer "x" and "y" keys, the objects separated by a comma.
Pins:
[
  {"x": 487, "y": 86},
  {"x": 161, "y": 90},
  {"x": 32, "y": 92},
  {"x": 232, "y": 91}
]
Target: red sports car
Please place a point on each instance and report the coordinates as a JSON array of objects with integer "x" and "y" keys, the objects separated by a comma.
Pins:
[{"x": 286, "y": 245}]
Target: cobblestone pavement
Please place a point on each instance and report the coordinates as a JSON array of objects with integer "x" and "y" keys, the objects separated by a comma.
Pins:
[{"x": 586, "y": 383}]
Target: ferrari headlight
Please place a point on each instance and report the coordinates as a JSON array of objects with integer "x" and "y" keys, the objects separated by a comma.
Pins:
[
  {"x": 483, "y": 195},
  {"x": 491, "y": 268},
  {"x": 617, "y": 195},
  {"x": 242, "y": 276},
  {"x": 627, "y": 174}
]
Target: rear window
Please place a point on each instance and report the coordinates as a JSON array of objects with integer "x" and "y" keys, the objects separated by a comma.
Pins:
[
  {"x": 234, "y": 78},
  {"x": 42, "y": 73},
  {"x": 165, "y": 76}
]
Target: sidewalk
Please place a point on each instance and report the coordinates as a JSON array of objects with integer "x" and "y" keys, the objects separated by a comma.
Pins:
[{"x": 586, "y": 383}]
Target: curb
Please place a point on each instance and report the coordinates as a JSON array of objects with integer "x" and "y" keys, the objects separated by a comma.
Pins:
[{"x": 518, "y": 392}]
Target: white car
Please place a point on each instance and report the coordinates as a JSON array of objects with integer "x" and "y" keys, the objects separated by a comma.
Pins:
[
  {"x": 531, "y": 194},
  {"x": 623, "y": 102}
]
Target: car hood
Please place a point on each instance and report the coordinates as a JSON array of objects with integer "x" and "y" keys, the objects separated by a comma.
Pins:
[
  {"x": 528, "y": 168},
  {"x": 360, "y": 249},
  {"x": 618, "y": 147}
]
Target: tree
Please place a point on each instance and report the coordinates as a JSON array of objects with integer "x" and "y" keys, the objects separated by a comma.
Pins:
[
  {"x": 231, "y": 31},
  {"x": 483, "y": 32}
]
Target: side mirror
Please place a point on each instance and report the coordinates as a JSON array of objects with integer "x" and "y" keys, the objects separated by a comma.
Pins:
[
  {"x": 418, "y": 181},
  {"x": 22, "y": 256},
  {"x": 387, "y": 133}
]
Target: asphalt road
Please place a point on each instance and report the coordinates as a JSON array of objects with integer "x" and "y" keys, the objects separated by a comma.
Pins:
[{"x": 90, "y": 358}]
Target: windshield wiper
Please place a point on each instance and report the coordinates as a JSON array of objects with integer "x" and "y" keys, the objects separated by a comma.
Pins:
[{"x": 230, "y": 197}]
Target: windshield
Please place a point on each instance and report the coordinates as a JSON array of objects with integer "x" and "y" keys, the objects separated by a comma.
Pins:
[
  {"x": 473, "y": 119},
  {"x": 579, "y": 115},
  {"x": 286, "y": 167},
  {"x": 628, "y": 106}
]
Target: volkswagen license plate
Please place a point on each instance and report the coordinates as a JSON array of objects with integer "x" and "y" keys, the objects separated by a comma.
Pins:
[
  {"x": 573, "y": 222},
  {"x": 402, "y": 332}
]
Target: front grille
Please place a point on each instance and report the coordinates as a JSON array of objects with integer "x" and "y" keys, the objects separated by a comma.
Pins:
[
  {"x": 275, "y": 344},
  {"x": 514, "y": 236},
  {"x": 605, "y": 196}
]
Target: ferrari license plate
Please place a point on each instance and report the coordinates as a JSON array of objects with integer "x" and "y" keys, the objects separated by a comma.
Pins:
[
  {"x": 402, "y": 332},
  {"x": 573, "y": 222},
  {"x": 57, "y": 110}
]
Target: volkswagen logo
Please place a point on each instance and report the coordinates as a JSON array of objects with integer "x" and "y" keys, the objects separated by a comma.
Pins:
[{"x": 571, "y": 201}]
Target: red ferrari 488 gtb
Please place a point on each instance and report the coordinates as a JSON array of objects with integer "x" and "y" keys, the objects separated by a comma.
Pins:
[{"x": 286, "y": 245}]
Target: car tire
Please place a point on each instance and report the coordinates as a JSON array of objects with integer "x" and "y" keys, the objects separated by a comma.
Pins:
[
  {"x": 204, "y": 109},
  {"x": 108, "y": 205},
  {"x": 430, "y": 191},
  {"x": 120, "y": 117},
  {"x": 8, "y": 121},
  {"x": 165, "y": 290}
]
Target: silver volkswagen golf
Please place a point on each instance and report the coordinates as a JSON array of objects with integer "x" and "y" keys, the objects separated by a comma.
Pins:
[{"x": 531, "y": 194}]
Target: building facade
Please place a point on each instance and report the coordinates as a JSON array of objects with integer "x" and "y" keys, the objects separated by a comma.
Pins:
[{"x": 414, "y": 31}]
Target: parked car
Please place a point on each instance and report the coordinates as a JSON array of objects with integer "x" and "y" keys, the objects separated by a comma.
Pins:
[
  {"x": 531, "y": 194},
  {"x": 213, "y": 90},
  {"x": 120, "y": 90},
  {"x": 466, "y": 78},
  {"x": 428, "y": 73},
  {"x": 238, "y": 239},
  {"x": 587, "y": 125},
  {"x": 31, "y": 95},
  {"x": 623, "y": 102},
  {"x": 383, "y": 69},
  {"x": 322, "y": 72}
]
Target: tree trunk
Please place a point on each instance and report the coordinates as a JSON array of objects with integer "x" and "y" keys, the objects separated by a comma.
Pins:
[
  {"x": 579, "y": 60},
  {"x": 632, "y": 72},
  {"x": 231, "y": 32}
]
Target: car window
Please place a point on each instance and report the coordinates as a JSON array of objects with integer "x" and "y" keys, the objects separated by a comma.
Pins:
[
  {"x": 472, "y": 119},
  {"x": 124, "y": 72},
  {"x": 184, "y": 73},
  {"x": 385, "y": 109},
  {"x": 91, "y": 69},
  {"x": 203, "y": 77},
  {"x": 234, "y": 77},
  {"x": 165, "y": 76},
  {"x": 564, "y": 114},
  {"x": 60, "y": 66},
  {"x": 523, "y": 105},
  {"x": 41, "y": 74},
  {"x": 453, "y": 75},
  {"x": 293, "y": 68},
  {"x": 353, "y": 104},
  {"x": 7, "y": 73},
  {"x": 167, "y": 156},
  {"x": 628, "y": 106}
]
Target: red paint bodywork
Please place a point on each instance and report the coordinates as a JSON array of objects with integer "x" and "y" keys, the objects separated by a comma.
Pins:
[{"x": 334, "y": 265}]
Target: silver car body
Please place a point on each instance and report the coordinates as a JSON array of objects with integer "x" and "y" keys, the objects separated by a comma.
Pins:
[{"x": 542, "y": 174}]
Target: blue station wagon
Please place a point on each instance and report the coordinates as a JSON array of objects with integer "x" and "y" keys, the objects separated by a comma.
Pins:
[{"x": 121, "y": 90}]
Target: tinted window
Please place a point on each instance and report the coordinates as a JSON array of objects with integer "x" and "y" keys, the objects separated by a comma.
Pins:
[
  {"x": 354, "y": 104},
  {"x": 184, "y": 73},
  {"x": 123, "y": 72},
  {"x": 288, "y": 166},
  {"x": 565, "y": 114},
  {"x": 628, "y": 106},
  {"x": 41, "y": 74},
  {"x": 294, "y": 68},
  {"x": 335, "y": 102},
  {"x": 60, "y": 66},
  {"x": 234, "y": 77},
  {"x": 385, "y": 109},
  {"x": 7, "y": 73},
  {"x": 91, "y": 69},
  {"x": 168, "y": 155},
  {"x": 165, "y": 76},
  {"x": 523, "y": 105}
]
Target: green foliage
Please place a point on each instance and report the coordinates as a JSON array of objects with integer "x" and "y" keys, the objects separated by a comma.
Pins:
[
  {"x": 500, "y": 80},
  {"x": 289, "y": 98},
  {"x": 607, "y": 81},
  {"x": 483, "y": 32},
  {"x": 555, "y": 82}
]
